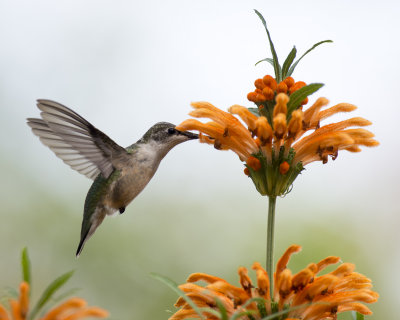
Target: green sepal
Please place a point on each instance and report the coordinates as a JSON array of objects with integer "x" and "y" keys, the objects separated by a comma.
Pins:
[
  {"x": 49, "y": 291},
  {"x": 239, "y": 313},
  {"x": 277, "y": 67},
  {"x": 288, "y": 62},
  {"x": 262, "y": 309},
  {"x": 268, "y": 180},
  {"x": 254, "y": 111},
  {"x": 270, "y": 60},
  {"x": 299, "y": 95},
  {"x": 297, "y": 62}
]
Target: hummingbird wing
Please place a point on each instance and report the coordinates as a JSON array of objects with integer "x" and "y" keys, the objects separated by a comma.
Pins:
[{"x": 74, "y": 140}]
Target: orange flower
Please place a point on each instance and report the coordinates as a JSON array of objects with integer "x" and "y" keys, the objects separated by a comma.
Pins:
[
  {"x": 283, "y": 137},
  {"x": 305, "y": 295},
  {"x": 72, "y": 309}
]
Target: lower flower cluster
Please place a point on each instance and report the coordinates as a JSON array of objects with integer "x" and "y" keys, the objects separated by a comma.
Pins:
[
  {"x": 305, "y": 295},
  {"x": 71, "y": 309}
]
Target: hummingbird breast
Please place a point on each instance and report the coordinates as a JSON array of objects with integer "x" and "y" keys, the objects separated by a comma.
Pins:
[{"x": 133, "y": 179}]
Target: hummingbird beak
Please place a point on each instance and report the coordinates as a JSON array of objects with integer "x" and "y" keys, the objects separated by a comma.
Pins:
[{"x": 188, "y": 134}]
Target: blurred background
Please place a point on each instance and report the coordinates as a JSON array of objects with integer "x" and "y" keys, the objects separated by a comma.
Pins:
[{"x": 125, "y": 65}]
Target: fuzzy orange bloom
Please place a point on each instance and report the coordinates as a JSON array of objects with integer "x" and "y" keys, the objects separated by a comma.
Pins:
[
  {"x": 280, "y": 135},
  {"x": 72, "y": 309},
  {"x": 323, "y": 141},
  {"x": 305, "y": 295}
]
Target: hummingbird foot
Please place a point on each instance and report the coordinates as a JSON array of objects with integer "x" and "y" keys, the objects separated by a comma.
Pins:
[{"x": 121, "y": 210}]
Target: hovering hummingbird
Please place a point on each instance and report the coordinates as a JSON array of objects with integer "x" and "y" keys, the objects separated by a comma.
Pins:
[{"x": 119, "y": 174}]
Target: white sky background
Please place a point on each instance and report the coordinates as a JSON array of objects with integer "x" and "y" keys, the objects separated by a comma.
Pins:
[{"x": 125, "y": 65}]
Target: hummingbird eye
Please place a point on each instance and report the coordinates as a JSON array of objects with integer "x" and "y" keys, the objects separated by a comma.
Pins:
[{"x": 171, "y": 130}]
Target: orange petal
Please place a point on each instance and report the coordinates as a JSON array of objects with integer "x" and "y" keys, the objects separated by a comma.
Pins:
[
  {"x": 94, "y": 312},
  {"x": 16, "y": 310},
  {"x": 311, "y": 114},
  {"x": 24, "y": 298},
  {"x": 281, "y": 104},
  {"x": 71, "y": 304},
  {"x": 245, "y": 280},
  {"x": 3, "y": 313},
  {"x": 244, "y": 113},
  {"x": 263, "y": 284},
  {"x": 341, "y": 107},
  {"x": 279, "y": 125},
  {"x": 296, "y": 123},
  {"x": 326, "y": 262},
  {"x": 194, "y": 277},
  {"x": 355, "y": 306}
]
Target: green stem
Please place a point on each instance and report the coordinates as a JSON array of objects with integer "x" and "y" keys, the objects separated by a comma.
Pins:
[{"x": 270, "y": 241}]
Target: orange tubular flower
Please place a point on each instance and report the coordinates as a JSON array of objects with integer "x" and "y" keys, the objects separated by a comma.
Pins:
[
  {"x": 304, "y": 295},
  {"x": 72, "y": 309},
  {"x": 279, "y": 133}
]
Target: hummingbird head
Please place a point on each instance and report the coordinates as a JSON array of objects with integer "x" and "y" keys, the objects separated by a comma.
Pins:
[{"x": 164, "y": 136}]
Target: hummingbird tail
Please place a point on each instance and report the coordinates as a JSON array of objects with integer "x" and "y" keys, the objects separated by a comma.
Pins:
[
  {"x": 89, "y": 226},
  {"x": 82, "y": 243}
]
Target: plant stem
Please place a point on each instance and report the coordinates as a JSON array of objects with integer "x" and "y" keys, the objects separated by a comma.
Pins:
[{"x": 270, "y": 241}]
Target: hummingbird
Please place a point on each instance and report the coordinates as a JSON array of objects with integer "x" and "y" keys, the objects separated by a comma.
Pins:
[{"x": 119, "y": 174}]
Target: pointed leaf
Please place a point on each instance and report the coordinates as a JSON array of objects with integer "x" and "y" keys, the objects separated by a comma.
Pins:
[
  {"x": 288, "y": 62},
  {"x": 172, "y": 285},
  {"x": 26, "y": 266},
  {"x": 357, "y": 316},
  {"x": 270, "y": 60},
  {"x": 208, "y": 310},
  {"x": 312, "y": 48},
  {"x": 277, "y": 67},
  {"x": 222, "y": 310},
  {"x": 49, "y": 291},
  {"x": 298, "y": 96},
  {"x": 254, "y": 111}
]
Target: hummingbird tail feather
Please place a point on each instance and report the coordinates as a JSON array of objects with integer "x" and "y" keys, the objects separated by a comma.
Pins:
[
  {"x": 82, "y": 243},
  {"x": 90, "y": 223}
]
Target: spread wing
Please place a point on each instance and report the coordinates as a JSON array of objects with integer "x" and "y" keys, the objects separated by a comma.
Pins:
[{"x": 74, "y": 140}]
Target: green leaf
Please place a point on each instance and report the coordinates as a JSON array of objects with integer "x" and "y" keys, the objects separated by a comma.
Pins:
[
  {"x": 270, "y": 60},
  {"x": 277, "y": 67},
  {"x": 222, "y": 310},
  {"x": 210, "y": 311},
  {"x": 26, "y": 266},
  {"x": 172, "y": 285},
  {"x": 357, "y": 316},
  {"x": 312, "y": 48},
  {"x": 288, "y": 62},
  {"x": 49, "y": 291},
  {"x": 298, "y": 96},
  {"x": 254, "y": 111}
]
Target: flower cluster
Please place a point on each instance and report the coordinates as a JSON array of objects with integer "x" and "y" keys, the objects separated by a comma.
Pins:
[
  {"x": 267, "y": 88},
  {"x": 305, "y": 295},
  {"x": 72, "y": 309},
  {"x": 279, "y": 140}
]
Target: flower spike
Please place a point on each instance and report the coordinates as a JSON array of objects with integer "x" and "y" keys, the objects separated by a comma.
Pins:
[{"x": 304, "y": 295}]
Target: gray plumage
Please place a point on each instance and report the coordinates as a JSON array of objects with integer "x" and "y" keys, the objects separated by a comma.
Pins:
[{"x": 119, "y": 174}]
